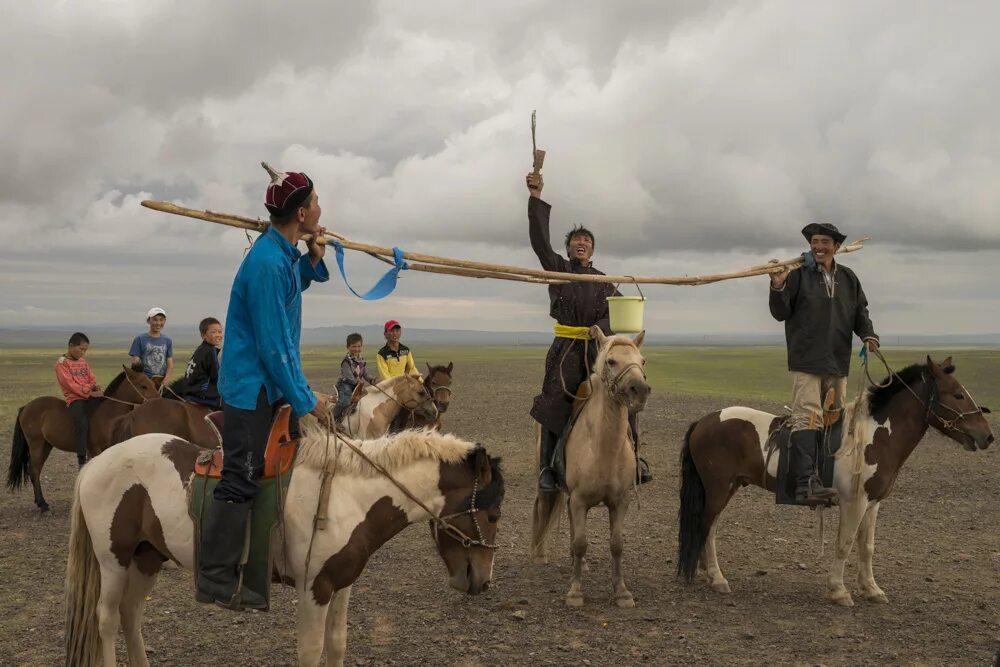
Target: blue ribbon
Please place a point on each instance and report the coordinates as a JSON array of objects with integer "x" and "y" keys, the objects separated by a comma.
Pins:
[
  {"x": 864, "y": 352},
  {"x": 385, "y": 285}
]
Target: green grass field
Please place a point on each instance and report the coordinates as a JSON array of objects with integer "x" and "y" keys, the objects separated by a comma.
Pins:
[{"x": 725, "y": 372}]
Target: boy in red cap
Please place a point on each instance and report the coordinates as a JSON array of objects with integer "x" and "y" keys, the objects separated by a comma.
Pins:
[{"x": 394, "y": 358}]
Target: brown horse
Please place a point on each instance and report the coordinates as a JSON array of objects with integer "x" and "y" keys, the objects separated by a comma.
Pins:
[
  {"x": 163, "y": 415},
  {"x": 381, "y": 404},
  {"x": 728, "y": 449},
  {"x": 45, "y": 422},
  {"x": 437, "y": 382}
]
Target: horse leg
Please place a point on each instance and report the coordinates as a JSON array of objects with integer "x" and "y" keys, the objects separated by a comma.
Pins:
[
  {"x": 336, "y": 628},
  {"x": 851, "y": 513},
  {"x": 866, "y": 550},
  {"x": 39, "y": 451},
  {"x": 578, "y": 547},
  {"x": 132, "y": 605},
  {"x": 311, "y": 629},
  {"x": 616, "y": 519},
  {"x": 114, "y": 580},
  {"x": 709, "y": 561}
]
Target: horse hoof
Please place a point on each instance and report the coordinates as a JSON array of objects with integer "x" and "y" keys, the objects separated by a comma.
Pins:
[
  {"x": 539, "y": 560},
  {"x": 625, "y": 601},
  {"x": 842, "y": 599},
  {"x": 43, "y": 508},
  {"x": 574, "y": 600},
  {"x": 722, "y": 587},
  {"x": 877, "y": 597}
]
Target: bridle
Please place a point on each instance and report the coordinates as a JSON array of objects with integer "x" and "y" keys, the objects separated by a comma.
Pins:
[
  {"x": 452, "y": 531},
  {"x": 434, "y": 389},
  {"x": 124, "y": 402},
  {"x": 613, "y": 383}
]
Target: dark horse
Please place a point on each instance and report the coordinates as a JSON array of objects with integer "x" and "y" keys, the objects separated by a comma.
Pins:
[
  {"x": 164, "y": 415},
  {"x": 728, "y": 449},
  {"x": 438, "y": 385},
  {"x": 45, "y": 422}
]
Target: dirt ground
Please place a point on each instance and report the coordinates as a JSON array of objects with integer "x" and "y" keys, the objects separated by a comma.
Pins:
[{"x": 937, "y": 557}]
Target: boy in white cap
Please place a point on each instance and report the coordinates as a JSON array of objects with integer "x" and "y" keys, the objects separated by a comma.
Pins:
[{"x": 153, "y": 351}]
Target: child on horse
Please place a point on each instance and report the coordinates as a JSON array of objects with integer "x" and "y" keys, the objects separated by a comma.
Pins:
[
  {"x": 353, "y": 370},
  {"x": 821, "y": 304},
  {"x": 575, "y": 306},
  {"x": 80, "y": 389},
  {"x": 394, "y": 358},
  {"x": 201, "y": 377},
  {"x": 152, "y": 352},
  {"x": 261, "y": 370}
]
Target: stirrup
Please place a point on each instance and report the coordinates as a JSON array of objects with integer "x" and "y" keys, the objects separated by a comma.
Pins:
[{"x": 555, "y": 484}]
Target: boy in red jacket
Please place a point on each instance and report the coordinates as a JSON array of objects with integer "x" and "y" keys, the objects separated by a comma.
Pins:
[{"x": 79, "y": 387}]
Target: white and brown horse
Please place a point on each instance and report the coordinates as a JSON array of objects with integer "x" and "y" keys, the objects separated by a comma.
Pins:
[
  {"x": 727, "y": 449},
  {"x": 600, "y": 461},
  {"x": 382, "y": 403},
  {"x": 130, "y": 515}
]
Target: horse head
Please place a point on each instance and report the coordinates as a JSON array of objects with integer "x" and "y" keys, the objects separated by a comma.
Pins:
[
  {"x": 438, "y": 383},
  {"x": 410, "y": 393},
  {"x": 952, "y": 410},
  {"x": 620, "y": 365},
  {"x": 132, "y": 386},
  {"x": 473, "y": 491}
]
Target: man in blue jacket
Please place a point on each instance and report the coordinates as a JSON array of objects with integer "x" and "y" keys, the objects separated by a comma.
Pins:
[{"x": 260, "y": 370}]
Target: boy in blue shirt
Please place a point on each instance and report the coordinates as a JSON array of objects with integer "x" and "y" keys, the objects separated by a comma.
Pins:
[
  {"x": 261, "y": 370},
  {"x": 152, "y": 351}
]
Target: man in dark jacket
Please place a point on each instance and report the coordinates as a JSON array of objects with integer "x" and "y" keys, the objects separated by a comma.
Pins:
[
  {"x": 822, "y": 305},
  {"x": 575, "y": 306}
]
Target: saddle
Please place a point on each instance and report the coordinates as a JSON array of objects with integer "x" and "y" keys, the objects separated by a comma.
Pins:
[
  {"x": 279, "y": 459},
  {"x": 779, "y": 441}
]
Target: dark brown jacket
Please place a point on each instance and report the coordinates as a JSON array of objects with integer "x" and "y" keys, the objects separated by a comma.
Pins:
[{"x": 818, "y": 328}]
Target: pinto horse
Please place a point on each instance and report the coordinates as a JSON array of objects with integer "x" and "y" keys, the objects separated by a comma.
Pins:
[
  {"x": 728, "y": 449},
  {"x": 46, "y": 423},
  {"x": 382, "y": 403},
  {"x": 438, "y": 383},
  {"x": 130, "y": 514},
  {"x": 600, "y": 461}
]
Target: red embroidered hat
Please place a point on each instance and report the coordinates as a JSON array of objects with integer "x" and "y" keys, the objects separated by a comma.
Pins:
[
  {"x": 391, "y": 324},
  {"x": 286, "y": 191}
]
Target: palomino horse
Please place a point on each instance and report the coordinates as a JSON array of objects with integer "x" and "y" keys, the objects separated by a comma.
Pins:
[
  {"x": 727, "y": 449},
  {"x": 45, "y": 422},
  {"x": 438, "y": 384},
  {"x": 381, "y": 403},
  {"x": 130, "y": 514},
  {"x": 600, "y": 460},
  {"x": 163, "y": 415}
]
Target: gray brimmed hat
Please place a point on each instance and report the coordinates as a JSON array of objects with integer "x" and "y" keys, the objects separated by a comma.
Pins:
[{"x": 824, "y": 228}]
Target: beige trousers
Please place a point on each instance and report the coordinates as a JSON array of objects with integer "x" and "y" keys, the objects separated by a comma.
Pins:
[{"x": 810, "y": 393}]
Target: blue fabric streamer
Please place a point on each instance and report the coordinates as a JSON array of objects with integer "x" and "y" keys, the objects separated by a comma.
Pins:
[
  {"x": 385, "y": 285},
  {"x": 808, "y": 260},
  {"x": 864, "y": 352}
]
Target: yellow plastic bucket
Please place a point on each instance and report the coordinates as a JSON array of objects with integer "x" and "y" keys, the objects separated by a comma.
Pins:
[{"x": 626, "y": 313}]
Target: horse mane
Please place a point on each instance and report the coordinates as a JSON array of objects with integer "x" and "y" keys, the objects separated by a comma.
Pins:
[
  {"x": 436, "y": 369},
  {"x": 114, "y": 384},
  {"x": 492, "y": 495},
  {"x": 391, "y": 452},
  {"x": 387, "y": 383},
  {"x": 879, "y": 397}
]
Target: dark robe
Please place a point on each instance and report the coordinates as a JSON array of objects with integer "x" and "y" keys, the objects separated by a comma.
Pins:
[{"x": 574, "y": 304}]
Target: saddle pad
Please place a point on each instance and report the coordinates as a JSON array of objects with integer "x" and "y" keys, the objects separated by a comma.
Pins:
[
  {"x": 785, "y": 486},
  {"x": 263, "y": 523}
]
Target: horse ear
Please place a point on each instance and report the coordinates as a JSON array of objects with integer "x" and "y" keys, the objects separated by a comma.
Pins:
[
  {"x": 946, "y": 364},
  {"x": 597, "y": 334},
  {"x": 930, "y": 364},
  {"x": 430, "y": 369},
  {"x": 481, "y": 464},
  {"x": 638, "y": 339},
  {"x": 450, "y": 366}
]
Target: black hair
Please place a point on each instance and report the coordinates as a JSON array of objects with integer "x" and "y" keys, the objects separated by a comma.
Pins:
[
  {"x": 354, "y": 338},
  {"x": 289, "y": 216},
  {"x": 580, "y": 230},
  {"x": 206, "y": 323},
  {"x": 78, "y": 338}
]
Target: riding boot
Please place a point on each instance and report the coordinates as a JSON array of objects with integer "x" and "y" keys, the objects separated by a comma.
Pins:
[
  {"x": 546, "y": 475},
  {"x": 642, "y": 467},
  {"x": 224, "y": 534},
  {"x": 809, "y": 488}
]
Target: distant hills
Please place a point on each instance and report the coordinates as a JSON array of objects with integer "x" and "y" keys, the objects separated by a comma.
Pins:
[{"x": 185, "y": 335}]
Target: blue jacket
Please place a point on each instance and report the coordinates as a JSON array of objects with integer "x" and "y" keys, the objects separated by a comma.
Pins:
[{"x": 263, "y": 326}]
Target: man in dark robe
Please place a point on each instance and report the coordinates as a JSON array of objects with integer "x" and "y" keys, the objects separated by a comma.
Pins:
[{"x": 575, "y": 306}]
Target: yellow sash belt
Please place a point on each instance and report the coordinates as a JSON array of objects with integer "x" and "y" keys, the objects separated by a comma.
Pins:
[{"x": 567, "y": 331}]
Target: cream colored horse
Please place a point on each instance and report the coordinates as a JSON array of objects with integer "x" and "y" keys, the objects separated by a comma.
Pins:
[
  {"x": 382, "y": 403},
  {"x": 600, "y": 461}
]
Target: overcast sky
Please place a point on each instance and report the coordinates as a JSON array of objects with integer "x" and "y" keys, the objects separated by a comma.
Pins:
[{"x": 692, "y": 137}]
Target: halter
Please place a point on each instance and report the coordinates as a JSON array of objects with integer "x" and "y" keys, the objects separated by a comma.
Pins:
[
  {"x": 612, "y": 383},
  {"x": 435, "y": 388},
  {"x": 405, "y": 406},
  {"x": 124, "y": 402}
]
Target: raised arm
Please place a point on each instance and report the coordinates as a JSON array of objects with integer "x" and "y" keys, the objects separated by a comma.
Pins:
[{"x": 538, "y": 227}]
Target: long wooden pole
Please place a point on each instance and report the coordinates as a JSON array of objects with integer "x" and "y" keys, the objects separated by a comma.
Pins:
[{"x": 497, "y": 271}]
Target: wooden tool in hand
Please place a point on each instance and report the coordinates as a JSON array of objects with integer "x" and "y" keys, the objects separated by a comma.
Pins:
[{"x": 538, "y": 156}]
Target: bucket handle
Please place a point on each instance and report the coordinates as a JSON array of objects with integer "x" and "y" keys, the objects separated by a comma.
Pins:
[{"x": 636, "y": 283}]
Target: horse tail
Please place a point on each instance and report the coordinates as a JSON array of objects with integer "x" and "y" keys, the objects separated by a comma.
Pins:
[
  {"x": 547, "y": 514},
  {"x": 20, "y": 457},
  {"x": 693, "y": 532},
  {"x": 83, "y": 589}
]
